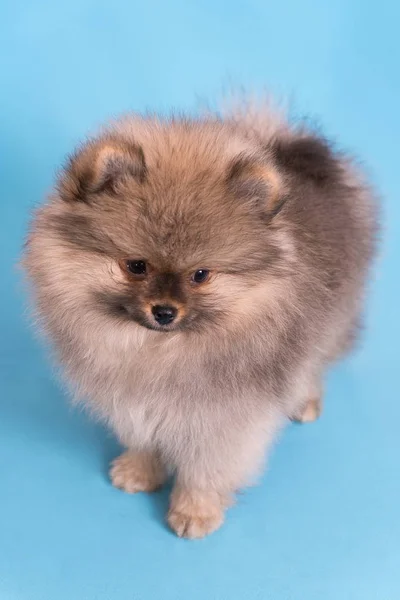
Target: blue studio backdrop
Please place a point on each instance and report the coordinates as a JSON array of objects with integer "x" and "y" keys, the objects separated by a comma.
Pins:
[{"x": 324, "y": 521}]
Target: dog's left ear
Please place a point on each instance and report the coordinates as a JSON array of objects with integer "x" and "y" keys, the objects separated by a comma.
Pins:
[{"x": 256, "y": 182}]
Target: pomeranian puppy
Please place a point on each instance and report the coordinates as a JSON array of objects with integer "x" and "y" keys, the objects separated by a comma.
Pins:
[{"x": 196, "y": 276}]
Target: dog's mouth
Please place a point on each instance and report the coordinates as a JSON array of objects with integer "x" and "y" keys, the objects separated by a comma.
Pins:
[
  {"x": 161, "y": 328},
  {"x": 148, "y": 322}
]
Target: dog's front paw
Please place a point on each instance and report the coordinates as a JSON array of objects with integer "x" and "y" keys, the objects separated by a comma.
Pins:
[
  {"x": 195, "y": 515},
  {"x": 137, "y": 472}
]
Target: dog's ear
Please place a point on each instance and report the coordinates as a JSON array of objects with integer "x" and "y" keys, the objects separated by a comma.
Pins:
[
  {"x": 257, "y": 182},
  {"x": 98, "y": 167}
]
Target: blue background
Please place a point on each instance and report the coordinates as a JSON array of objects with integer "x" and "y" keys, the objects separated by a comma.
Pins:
[{"x": 324, "y": 522}]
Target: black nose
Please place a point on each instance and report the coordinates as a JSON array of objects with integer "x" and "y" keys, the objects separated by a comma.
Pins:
[{"x": 164, "y": 315}]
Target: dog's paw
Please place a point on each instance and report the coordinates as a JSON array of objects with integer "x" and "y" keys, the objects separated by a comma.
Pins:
[
  {"x": 195, "y": 516},
  {"x": 310, "y": 412},
  {"x": 137, "y": 472},
  {"x": 194, "y": 526}
]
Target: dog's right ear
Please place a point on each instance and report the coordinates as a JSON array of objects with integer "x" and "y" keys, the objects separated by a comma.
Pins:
[
  {"x": 254, "y": 181},
  {"x": 98, "y": 167}
]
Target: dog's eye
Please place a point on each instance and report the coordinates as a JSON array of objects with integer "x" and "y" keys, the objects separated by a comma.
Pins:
[
  {"x": 200, "y": 276},
  {"x": 136, "y": 267}
]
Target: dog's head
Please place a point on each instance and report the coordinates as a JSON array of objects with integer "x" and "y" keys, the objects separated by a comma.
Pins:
[{"x": 173, "y": 229}]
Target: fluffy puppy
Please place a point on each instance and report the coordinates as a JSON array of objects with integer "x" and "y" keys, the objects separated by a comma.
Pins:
[{"x": 196, "y": 276}]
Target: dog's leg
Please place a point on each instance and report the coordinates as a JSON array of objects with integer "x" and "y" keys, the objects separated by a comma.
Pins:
[
  {"x": 213, "y": 468},
  {"x": 137, "y": 472}
]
